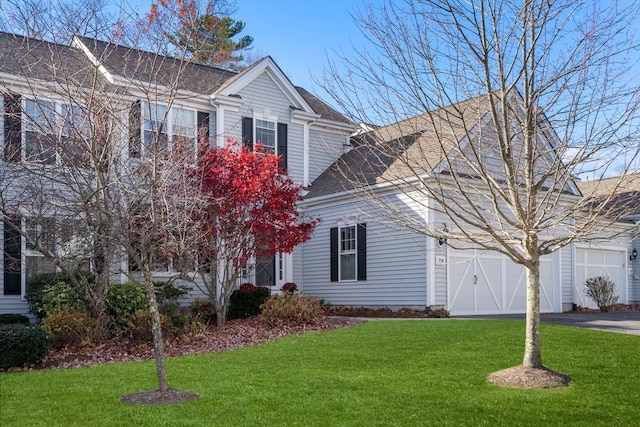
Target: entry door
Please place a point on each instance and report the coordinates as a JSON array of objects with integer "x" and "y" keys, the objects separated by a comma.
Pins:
[
  {"x": 266, "y": 272},
  {"x": 598, "y": 262}
]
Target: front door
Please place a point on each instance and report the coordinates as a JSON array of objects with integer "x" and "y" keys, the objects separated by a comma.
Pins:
[{"x": 266, "y": 272}]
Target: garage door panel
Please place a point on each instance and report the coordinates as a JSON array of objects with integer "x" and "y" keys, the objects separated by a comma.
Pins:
[
  {"x": 593, "y": 262},
  {"x": 461, "y": 273},
  {"x": 500, "y": 284}
]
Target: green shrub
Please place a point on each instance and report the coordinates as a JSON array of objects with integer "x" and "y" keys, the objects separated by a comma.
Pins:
[
  {"x": 439, "y": 313},
  {"x": 295, "y": 309},
  {"x": 51, "y": 291},
  {"x": 168, "y": 293},
  {"x": 138, "y": 329},
  {"x": 603, "y": 291},
  {"x": 246, "y": 301},
  {"x": 20, "y": 344},
  {"x": 122, "y": 301},
  {"x": 69, "y": 328},
  {"x": 12, "y": 318},
  {"x": 178, "y": 319}
]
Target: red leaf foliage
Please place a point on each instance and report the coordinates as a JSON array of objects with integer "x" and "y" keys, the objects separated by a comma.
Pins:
[{"x": 249, "y": 198}]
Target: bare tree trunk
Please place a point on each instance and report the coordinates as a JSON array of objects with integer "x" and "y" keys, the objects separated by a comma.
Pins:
[
  {"x": 156, "y": 328},
  {"x": 532, "y": 351}
]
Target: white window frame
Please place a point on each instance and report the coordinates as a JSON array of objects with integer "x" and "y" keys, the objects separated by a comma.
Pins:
[
  {"x": 265, "y": 115},
  {"x": 351, "y": 252},
  {"x": 167, "y": 124},
  {"x": 58, "y": 124}
]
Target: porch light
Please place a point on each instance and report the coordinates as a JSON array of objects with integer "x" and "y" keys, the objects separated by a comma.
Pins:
[{"x": 634, "y": 255}]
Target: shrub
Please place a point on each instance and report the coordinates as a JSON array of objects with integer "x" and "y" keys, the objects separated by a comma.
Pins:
[
  {"x": 178, "y": 319},
  {"x": 203, "y": 311},
  {"x": 439, "y": 313},
  {"x": 138, "y": 329},
  {"x": 20, "y": 344},
  {"x": 51, "y": 291},
  {"x": 12, "y": 318},
  {"x": 290, "y": 288},
  {"x": 603, "y": 291},
  {"x": 246, "y": 301},
  {"x": 295, "y": 309},
  {"x": 122, "y": 301},
  {"x": 168, "y": 293},
  {"x": 69, "y": 328}
]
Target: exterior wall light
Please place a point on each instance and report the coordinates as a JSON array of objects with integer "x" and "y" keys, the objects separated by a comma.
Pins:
[{"x": 634, "y": 255}]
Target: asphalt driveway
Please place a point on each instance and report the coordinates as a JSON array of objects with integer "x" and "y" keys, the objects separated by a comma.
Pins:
[{"x": 624, "y": 322}]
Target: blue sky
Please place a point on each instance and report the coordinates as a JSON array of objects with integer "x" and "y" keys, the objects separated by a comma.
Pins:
[{"x": 299, "y": 34}]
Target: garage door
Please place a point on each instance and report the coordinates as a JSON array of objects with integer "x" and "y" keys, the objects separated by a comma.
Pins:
[
  {"x": 490, "y": 283},
  {"x": 599, "y": 262}
]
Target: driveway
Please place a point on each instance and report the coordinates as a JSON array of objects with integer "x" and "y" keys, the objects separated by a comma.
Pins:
[{"x": 624, "y": 322}]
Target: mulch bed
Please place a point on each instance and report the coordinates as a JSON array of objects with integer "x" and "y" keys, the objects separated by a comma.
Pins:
[{"x": 235, "y": 334}]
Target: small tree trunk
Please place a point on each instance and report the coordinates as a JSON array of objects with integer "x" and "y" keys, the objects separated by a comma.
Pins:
[
  {"x": 532, "y": 353},
  {"x": 158, "y": 343}
]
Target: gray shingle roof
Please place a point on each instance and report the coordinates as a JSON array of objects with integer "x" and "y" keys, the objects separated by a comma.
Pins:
[
  {"x": 408, "y": 148},
  {"x": 37, "y": 59}
]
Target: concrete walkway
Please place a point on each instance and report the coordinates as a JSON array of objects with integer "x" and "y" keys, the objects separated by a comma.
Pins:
[{"x": 624, "y": 322}]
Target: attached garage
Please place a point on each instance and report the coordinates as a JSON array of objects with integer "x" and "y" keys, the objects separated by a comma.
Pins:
[
  {"x": 481, "y": 282},
  {"x": 592, "y": 262}
]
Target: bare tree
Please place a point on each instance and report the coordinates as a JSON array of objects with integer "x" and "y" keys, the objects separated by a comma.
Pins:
[
  {"x": 492, "y": 109},
  {"x": 91, "y": 159}
]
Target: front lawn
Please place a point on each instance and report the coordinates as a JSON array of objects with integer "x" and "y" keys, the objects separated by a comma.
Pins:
[{"x": 382, "y": 373}]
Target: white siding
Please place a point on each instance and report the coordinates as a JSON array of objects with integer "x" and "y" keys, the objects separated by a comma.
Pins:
[{"x": 324, "y": 149}]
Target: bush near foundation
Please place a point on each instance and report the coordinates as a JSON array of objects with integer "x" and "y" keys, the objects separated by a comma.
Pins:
[
  {"x": 603, "y": 291},
  {"x": 246, "y": 301},
  {"x": 12, "y": 318},
  {"x": 20, "y": 344},
  {"x": 295, "y": 309}
]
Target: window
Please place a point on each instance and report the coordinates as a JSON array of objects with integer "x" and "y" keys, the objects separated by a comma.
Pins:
[
  {"x": 40, "y": 131},
  {"x": 184, "y": 128},
  {"x": 155, "y": 127},
  {"x": 266, "y": 135},
  {"x": 52, "y": 130},
  {"x": 348, "y": 253},
  {"x": 40, "y": 237},
  {"x": 272, "y": 136}
]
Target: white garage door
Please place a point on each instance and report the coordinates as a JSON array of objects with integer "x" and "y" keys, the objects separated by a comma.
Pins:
[
  {"x": 490, "y": 283},
  {"x": 599, "y": 262}
]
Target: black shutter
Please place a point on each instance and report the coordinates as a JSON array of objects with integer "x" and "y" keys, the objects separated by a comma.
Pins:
[
  {"x": 12, "y": 128},
  {"x": 282, "y": 145},
  {"x": 362, "y": 251},
  {"x": 135, "y": 129},
  {"x": 203, "y": 128},
  {"x": 247, "y": 132},
  {"x": 334, "y": 253},
  {"x": 12, "y": 259}
]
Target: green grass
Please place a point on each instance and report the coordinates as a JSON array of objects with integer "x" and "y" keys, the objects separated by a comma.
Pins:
[{"x": 382, "y": 373}]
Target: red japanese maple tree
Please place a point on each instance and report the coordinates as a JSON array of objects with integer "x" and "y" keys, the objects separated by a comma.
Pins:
[{"x": 247, "y": 209}]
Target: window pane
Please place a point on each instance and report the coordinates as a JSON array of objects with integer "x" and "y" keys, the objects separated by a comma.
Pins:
[
  {"x": 266, "y": 135},
  {"x": 348, "y": 267},
  {"x": 348, "y": 253},
  {"x": 184, "y": 129},
  {"x": 40, "y": 132}
]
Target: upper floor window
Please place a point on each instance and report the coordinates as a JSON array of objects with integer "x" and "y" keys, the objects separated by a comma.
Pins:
[
  {"x": 43, "y": 131},
  {"x": 266, "y": 135},
  {"x": 164, "y": 129},
  {"x": 271, "y": 135}
]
